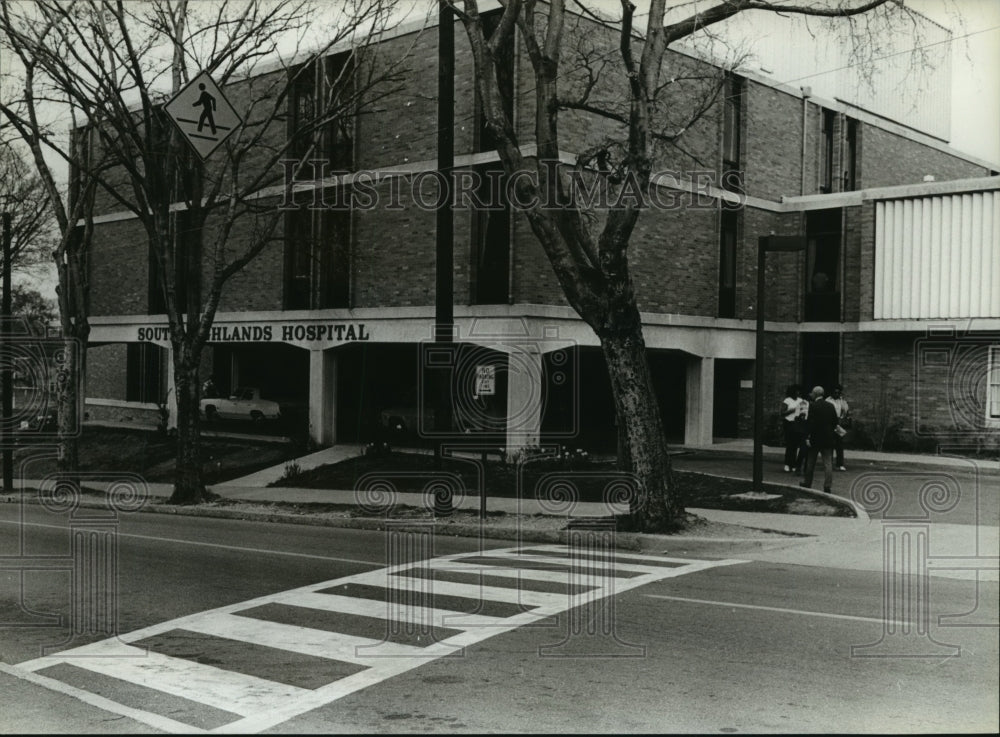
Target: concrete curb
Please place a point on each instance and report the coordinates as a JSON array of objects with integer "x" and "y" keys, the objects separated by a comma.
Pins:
[
  {"x": 631, "y": 541},
  {"x": 859, "y": 511}
]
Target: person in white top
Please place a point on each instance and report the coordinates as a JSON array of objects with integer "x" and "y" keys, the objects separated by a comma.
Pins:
[
  {"x": 836, "y": 398},
  {"x": 790, "y": 411}
]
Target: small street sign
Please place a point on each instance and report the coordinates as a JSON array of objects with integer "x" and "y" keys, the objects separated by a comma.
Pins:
[
  {"x": 486, "y": 381},
  {"x": 203, "y": 115}
]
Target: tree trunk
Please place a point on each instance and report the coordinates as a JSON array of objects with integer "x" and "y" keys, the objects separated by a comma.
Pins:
[
  {"x": 657, "y": 508},
  {"x": 70, "y": 385},
  {"x": 188, "y": 485}
]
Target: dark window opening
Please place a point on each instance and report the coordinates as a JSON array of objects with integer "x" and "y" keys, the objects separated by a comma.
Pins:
[
  {"x": 143, "y": 373},
  {"x": 728, "y": 242},
  {"x": 851, "y": 156},
  {"x": 317, "y": 259},
  {"x": 822, "y": 287},
  {"x": 732, "y": 134},
  {"x": 491, "y": 239},
  {"x": 503, "y": 62},
  {"x": 320, "y": 115},
  {"x": 334, "y": 259},
  {"x": 826, "y": 152},
  {"x": 298, "y": 259}
]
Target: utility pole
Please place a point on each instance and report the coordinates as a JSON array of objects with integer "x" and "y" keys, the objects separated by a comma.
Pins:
[{"x": 6, "y": 375}]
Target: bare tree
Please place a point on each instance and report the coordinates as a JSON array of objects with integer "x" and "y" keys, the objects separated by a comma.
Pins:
[
  {"x": 589, "y": 255},
  {"x": 23, "y": 195},
  {"x": 114, "y": 64}
]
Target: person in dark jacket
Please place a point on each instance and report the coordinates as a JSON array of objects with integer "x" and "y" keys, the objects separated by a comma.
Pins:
[{"x": 821, "y": 440}]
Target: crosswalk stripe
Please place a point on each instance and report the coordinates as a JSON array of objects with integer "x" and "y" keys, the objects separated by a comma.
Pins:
[
  {"x": 480, "y": 592},
  {"x": 512, "y": 572},
  {"x": 396, "y": 612},
  {"x": 304, "y": 640},
  {"x": 206, "y": 684},
  {"x": 263, "y": 703}
]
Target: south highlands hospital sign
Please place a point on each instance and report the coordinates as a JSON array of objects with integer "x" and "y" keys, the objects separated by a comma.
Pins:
[{"x": 266, "y": 333}]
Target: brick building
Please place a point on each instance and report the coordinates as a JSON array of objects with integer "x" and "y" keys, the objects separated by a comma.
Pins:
[{"x": 897, "y": 295}]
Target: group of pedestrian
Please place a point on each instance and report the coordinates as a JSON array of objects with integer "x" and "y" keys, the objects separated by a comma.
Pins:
[{"x": 814, "y": 427}]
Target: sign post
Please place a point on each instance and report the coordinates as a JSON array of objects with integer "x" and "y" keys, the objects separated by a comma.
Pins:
[
  {"x": 765, "y": 243},
  {"x": 203, "y": 115}
]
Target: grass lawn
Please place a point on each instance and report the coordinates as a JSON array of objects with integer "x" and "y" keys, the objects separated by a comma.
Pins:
[
  {"x": 152, "y": 455},
  {"x": 547, "y": 480}
]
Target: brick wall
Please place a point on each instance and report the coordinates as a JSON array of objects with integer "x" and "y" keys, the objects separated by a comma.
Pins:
[
  {"x": 119, "y": 269},
  {"x": 928, "y": 390},
  {"x": 889, "y": 159},
  {"x": 783, "y": 272},
  {"x": 393, "y": 250},
  {"x": 106, "y": 374}
]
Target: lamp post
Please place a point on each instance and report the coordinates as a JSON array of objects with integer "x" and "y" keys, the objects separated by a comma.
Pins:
[{"x": 764, "y": 244}]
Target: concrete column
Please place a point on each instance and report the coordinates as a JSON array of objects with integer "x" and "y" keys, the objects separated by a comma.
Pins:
[
  {"x": 323, "y": 397},
  {"x": 525, "y": 387},
  {"x": 171, "y": 391},
  {"x": 700, "y": 405}
]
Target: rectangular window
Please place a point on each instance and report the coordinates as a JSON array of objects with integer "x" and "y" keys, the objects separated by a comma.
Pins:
[
  {"x": 728, "y": 240},
  {"x": 993, "y": 388},
  {"x": 317, "y": 258},
  {"x": 732, "y": 134},
  {"x": 491, "y": 238},
  {"x": 143, "y": 373},
  {"x": 826, "y": 152},
  {"x": 822, "y": 287},
  {"x": 851, "y": 156},
  {"x": 320, "y": 115},
  {"x": 335, "y": 258},
  {"x": 298, "y": 259}
]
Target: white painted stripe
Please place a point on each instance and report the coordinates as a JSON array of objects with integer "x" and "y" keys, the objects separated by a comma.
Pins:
[
  {"x": 153, "y": 720},
  {"x": 238, "y": 548},
  {"x": 206, "y": 684},
  {"x": 631, "y": 555},
  {"x": 398, "y": 613},
  {"x": 782, "y": 610},
  {"x": 628, "y": 566},
  {"x": 304, "y": 640},
  {"x": 489, "y": 593},
  {"x": 527, "y": 574}
]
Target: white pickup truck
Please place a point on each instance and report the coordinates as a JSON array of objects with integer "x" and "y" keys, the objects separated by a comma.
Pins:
[{"x": 244, "y": 404}]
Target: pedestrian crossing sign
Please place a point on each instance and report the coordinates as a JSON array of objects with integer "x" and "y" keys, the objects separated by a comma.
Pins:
[{"x": 203, "y": 115}]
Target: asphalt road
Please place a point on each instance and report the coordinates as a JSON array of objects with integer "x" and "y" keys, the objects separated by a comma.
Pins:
[{"x": 679, "y": 644}]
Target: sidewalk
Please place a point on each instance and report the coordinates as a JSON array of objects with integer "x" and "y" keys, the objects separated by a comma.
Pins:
[
  {"x": 745, "y": 446},
  {"x": 954, "y": 550}
]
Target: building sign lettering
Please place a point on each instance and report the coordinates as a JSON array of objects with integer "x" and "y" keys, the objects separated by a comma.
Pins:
[{"x": 340, "y": 332}]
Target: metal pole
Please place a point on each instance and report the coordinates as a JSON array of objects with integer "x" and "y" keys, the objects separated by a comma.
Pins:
[
  {"x": 444, "y": 313},
  {"x": 758, "y": 380},
  {"x": 6, "y": 376}
]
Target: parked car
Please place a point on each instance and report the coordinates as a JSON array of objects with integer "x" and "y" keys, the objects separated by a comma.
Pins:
[{"x": 244, "y": 404}]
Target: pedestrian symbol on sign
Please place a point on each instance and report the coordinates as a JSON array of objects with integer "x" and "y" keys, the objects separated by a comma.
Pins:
[
  {"x": 206, "y": 131},
  {"x": 207, "y": 102}
]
